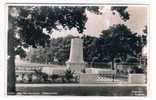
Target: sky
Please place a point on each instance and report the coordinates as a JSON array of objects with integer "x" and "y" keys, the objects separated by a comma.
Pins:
[{"x": 96, "y": 23}]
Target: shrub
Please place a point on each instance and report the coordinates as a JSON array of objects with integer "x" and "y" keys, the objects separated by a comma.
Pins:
[
  {"x": 54, "y": 77},
  {"x": 69, "y": 75},
  {"x": 137, "y": 70}
]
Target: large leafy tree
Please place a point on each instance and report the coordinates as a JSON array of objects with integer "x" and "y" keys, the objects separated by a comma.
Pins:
[
  {"x": 90, "y": 48},
  {"x": 119, "y": 42},
  {"x": 26, "y": 24}
]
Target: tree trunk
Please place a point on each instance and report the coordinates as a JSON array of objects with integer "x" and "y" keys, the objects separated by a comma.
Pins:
[
  {"x": 113, "y": 67},
  {"x": 11, "y": 76}
]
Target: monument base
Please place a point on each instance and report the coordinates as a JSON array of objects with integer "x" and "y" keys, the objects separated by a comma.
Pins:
[{"x": 76, "y": 67}]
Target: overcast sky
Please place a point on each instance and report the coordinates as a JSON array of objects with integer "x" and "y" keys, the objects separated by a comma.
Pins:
[{"x": 96, "y": 23}]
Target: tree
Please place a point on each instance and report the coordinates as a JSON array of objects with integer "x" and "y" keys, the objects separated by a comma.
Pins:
[
  {"x": 119, "y": 42},
  {"x": 26, "y": 24},
  {"x": 59, "y": 48},
  {"x": 63, "y": 49},
  {"x": 89, "y": 47},
  {"x": 39, "y": 55}
]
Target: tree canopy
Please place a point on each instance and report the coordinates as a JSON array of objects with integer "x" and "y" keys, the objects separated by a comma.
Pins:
[
  {"x": 119, "y": 42},
  {"x": 30, "y": 21}
]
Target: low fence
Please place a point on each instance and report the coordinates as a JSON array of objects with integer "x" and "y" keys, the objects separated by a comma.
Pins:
[
  {"x": 35, "y": 66},
  {"x": 99, "y": 65}
]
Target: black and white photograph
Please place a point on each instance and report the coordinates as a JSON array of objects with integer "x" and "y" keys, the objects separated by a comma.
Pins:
[{"x": 77, "y": 50}]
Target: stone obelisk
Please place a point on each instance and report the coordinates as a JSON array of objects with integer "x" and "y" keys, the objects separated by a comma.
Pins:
[{"x": 76, "y": 62}]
